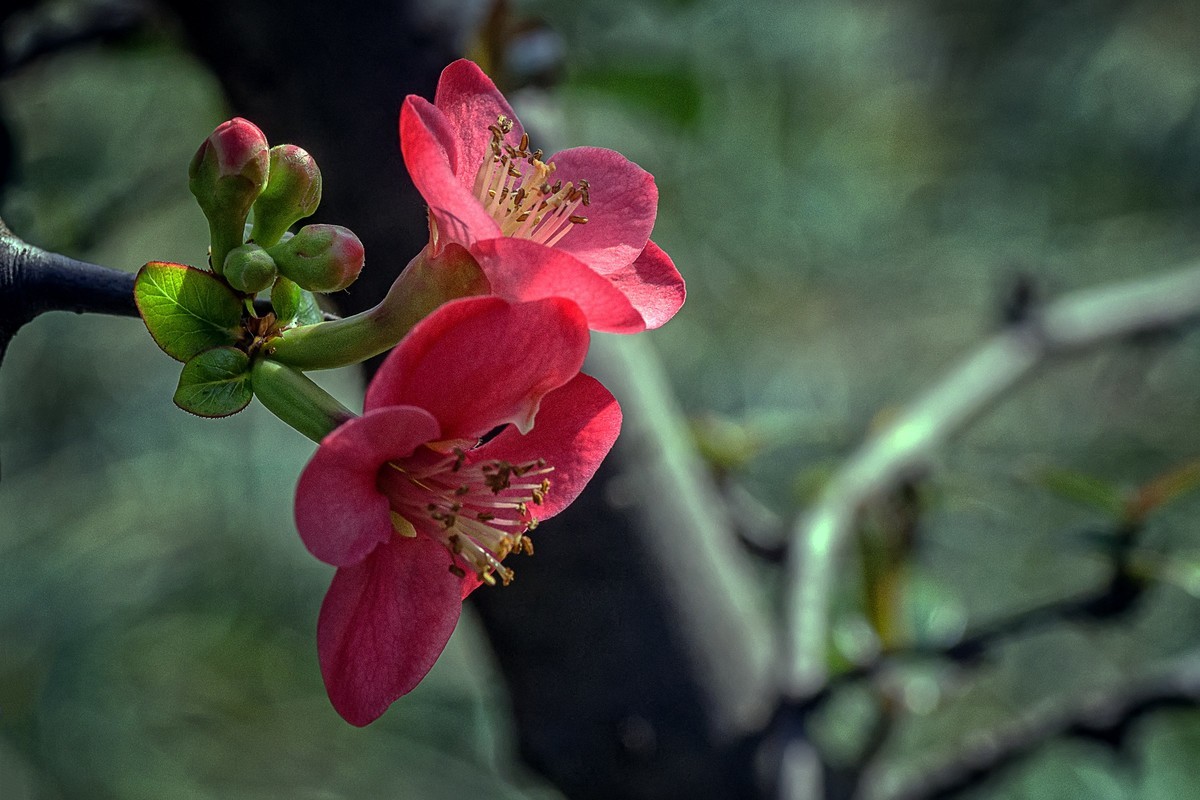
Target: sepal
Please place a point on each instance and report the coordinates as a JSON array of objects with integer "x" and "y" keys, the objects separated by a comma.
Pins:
[{"x": 293, "y": 305}]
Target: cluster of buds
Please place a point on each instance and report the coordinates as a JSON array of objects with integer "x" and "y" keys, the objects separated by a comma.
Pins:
[{"x": 234, "y": 173}]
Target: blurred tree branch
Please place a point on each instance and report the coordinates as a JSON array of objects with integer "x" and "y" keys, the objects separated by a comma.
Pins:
[
  {"x": 1118, "y": 595},
  {"x": 38, "y": 31},
  {"x": 1083, "y": 320},
  {"x": 1105, "y": 715}
]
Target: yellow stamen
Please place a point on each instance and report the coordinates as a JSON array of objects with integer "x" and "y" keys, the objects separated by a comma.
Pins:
[{"x": 514, "y": 187}]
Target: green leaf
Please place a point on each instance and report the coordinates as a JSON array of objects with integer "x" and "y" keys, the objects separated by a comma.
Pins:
[
  {"x": 1086, "y": 490},
  {"x": 1165, "y": 488},
  {"x": 187, "y": 310},
  {"x": 215, "y": 383},
  {"x": 293, "y": 305}
]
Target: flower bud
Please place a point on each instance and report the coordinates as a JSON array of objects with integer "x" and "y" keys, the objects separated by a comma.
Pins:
[
  {"x": 226, "y": 175},
  {"x": 249, "y": 268},
  {"x": 320, "y": 258},
  {"x": 293, "y": 192}
]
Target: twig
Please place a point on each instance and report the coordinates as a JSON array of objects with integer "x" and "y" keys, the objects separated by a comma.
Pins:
[
  {"x": 1104, "y": 714},
  {"x": 34, "y": 281},
  {"x": 1112, "y": 600},
  {"x": 1074, "y": 323}
]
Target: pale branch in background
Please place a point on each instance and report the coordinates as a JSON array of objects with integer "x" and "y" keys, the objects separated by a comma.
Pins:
[
  {"x": 709, "y": 580},
  {"x": 1075, "y": 323},
  {"x": 1103, "y": 714}
]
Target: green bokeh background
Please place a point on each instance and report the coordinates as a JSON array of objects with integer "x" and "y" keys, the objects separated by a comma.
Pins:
[{"x": 851, "y": 190}]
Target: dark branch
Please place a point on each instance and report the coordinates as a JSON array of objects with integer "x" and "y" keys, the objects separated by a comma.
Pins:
[
  {"x": 1106, "y": 603},
  {"x": 44, "y": 33},
  {"x": 33, "y": 281}
]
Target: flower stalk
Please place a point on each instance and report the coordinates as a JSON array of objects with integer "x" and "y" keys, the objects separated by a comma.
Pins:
[
  {"x": 295, "y": 399},
  {"x": 424, "y": 285}
]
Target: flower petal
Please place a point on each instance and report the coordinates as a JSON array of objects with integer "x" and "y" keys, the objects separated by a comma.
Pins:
[
  {"x": 341, "y": 514},
  {"x": 652, "y": 284},
  {"x": 471, "y": 104},
  {"x": 624, "y": 202},
  {"x": 383, "y": 624},
  {"x": 519, "y": 269},
  {"x": 430, "y": 150},
  {"x": 575, "y": 430},
  {"x": 480, "y": 362}
]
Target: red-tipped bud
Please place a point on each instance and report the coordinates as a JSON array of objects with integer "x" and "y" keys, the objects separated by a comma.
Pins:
[
  {"x": 293, "y": 192},
  {"x": 235, "y": 147},
  {"x": 249, "y": 268},
  {"x": 226, "y": 175},
  {"x": 320, "y": 258}
]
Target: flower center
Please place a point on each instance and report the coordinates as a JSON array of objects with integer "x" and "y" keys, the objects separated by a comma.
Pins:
[
  {"x": 513, "y": 184},
  {"x": 481, "y": 510}
]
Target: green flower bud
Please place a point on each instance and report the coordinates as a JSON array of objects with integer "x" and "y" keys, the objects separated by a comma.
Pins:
[
  {"x": 293, "y": 192},
  {"x": 226, "y": 175},
  {"x": 249, "y": 268},
  {"x": 320, "y": 258}
]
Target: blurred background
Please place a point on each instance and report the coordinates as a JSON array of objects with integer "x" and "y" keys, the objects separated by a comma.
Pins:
[{"x": 857, "y": 194}]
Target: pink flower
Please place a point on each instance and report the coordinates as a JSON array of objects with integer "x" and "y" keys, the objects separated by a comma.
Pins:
[
  {"x": 575, "y": 225},
  {"x": 416, "y": 512}
]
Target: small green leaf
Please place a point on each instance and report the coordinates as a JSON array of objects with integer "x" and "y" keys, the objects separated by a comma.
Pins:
[
  {"x": 185, "y": 309},
  {"x": 215, "y": 383},
  {"x": 293, "y": 305},
  {"x": 1087, "y": 490},
  {"x": 1165, "y": 488}
]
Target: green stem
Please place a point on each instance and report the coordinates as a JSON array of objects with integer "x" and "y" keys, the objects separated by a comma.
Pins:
[
  {"x": 224, "y": 235},
  {"x": 423, "y": 286},
  {"x": 291, "y": 396}
]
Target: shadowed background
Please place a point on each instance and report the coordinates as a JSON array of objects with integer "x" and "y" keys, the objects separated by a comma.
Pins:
[{"x": 856, "y": 193}]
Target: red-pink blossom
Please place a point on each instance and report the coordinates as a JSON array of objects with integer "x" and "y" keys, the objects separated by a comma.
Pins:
[
  {"x": 417, "y": 503},
  {"x": 574, "y": 225}
]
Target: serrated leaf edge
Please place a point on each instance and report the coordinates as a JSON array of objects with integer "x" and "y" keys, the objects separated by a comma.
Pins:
[
  {"x": 138, "y": 302},
  {"x": 213, "y": 416}
]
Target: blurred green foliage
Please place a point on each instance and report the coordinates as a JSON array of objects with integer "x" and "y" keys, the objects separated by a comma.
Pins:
[
  {"x": 862, "y": 192},
  {"x": 853, "y": 190}
]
